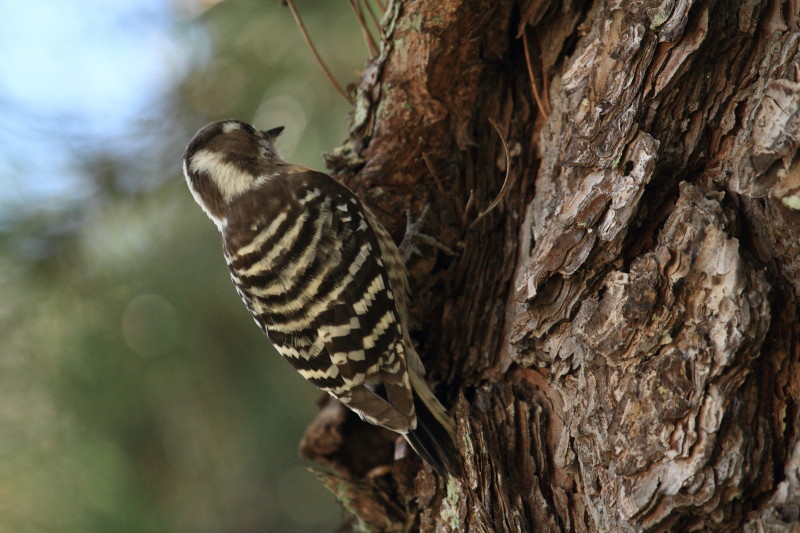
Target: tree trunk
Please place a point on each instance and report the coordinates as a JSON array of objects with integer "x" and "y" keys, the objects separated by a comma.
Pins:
[{"x": 619, "y": 337}]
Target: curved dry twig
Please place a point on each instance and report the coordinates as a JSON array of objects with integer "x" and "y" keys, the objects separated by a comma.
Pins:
[
  {"x": 372, "y": 46},
  {"x": 507, "y": 183},
  {"x": 307, "y": 38},
  {"x": 373, "y": 16}
]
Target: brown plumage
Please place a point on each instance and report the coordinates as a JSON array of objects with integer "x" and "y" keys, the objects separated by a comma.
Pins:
[{"x": 321, "y": 277}]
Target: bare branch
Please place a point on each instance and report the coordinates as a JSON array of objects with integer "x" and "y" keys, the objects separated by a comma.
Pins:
[
  {"x": 368, "y": 38},
  {"x": 373, "y": 16},
  {"x": 313, "y": 49}
]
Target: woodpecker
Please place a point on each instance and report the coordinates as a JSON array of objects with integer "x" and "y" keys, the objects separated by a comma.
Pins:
[{"x": 322, "y": 278}]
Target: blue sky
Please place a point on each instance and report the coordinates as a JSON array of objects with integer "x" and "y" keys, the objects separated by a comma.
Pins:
[{"x": 78, "y": 73}]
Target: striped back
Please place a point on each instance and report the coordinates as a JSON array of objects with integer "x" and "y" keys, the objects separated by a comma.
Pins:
[{"x": 308, "y": 264}]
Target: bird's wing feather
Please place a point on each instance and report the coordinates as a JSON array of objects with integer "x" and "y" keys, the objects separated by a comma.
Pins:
[
  {"x": 330, "y": 309},
  {"x": 361, "y": 329}
]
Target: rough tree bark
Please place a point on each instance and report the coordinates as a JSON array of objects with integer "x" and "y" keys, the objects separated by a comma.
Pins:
[{"x": 619, "y": 337}]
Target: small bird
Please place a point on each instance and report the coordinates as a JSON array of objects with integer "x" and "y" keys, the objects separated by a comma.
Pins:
[{"x": 322, "y": 278}]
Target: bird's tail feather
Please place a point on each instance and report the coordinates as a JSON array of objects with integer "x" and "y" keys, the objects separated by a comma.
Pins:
[{"x": 434, "y": 437}]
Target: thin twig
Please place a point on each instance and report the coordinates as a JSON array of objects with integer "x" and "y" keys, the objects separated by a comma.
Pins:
[
  {"x": 542, "y": 108},
  {"x": 368, "y": 39},
  {"x": 506, "y": 182},
  {"x": 373, "y": 16},
  {"x": 433, "y": 173},
  {"x": 311, "y": 46},
  {"x": 470, "y": 201},
  {"x": 381, "y": 5}
]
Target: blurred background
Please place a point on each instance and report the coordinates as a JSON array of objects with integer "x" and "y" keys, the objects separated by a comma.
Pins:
[{"x": 136, "y": 393}]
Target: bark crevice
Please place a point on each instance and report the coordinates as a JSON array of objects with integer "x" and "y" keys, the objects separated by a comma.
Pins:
[{"x": 619, "y": 338}]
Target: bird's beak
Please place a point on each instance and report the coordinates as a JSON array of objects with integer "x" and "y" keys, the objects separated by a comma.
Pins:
[{"x": 274, "y": 132}]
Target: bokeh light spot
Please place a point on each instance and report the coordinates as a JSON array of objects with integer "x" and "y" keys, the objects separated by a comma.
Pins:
[
  {"x": 283, "y": 110},
  {"x": 150, "y": 325}
]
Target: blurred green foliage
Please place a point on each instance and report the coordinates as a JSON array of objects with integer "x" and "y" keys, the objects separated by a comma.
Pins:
[{"x": 136, "y": 394}]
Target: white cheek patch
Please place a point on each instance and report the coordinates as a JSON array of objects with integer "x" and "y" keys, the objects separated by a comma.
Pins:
[
  {"x": 219, "y": 222},
  {"x": 229, "y": 178}
]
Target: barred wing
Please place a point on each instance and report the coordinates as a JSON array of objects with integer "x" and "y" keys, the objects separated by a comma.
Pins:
[{"x": 306, "y": 261}]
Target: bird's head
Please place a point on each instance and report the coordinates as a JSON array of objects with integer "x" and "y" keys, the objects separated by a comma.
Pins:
[{"x": 224, "y": 160}]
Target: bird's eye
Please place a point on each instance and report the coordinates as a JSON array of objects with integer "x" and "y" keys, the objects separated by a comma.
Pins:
[{"x": 250, "y": 130}]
